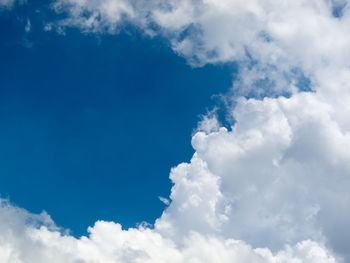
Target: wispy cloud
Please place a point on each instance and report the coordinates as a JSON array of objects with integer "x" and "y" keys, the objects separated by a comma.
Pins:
[{"x": 8, "y": 4}]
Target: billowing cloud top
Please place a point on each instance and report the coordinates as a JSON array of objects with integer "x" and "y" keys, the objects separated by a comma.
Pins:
[{"x": 274, "y": 187}]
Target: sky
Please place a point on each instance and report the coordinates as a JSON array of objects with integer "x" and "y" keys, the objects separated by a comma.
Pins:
[
  {"x": 174, "y": 131},
  {"x": 100, "y": 118}
]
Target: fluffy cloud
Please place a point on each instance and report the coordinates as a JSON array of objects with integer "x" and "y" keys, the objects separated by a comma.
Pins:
[
  {"x": 276, "y": 43},
  {"x": 279, "y": 177},
  {"x": 27, "y": 238}
]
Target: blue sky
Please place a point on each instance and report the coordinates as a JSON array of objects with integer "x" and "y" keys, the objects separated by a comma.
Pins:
[
  {"x": 111, "y": 149},
  {"x": 101, "y": 119}
]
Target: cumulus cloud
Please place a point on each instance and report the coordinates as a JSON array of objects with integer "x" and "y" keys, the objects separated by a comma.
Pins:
[
  {"x": 274, "y": 187},
  {"x": 278, "y": 177},
  {"x": 25, "y": 237}
]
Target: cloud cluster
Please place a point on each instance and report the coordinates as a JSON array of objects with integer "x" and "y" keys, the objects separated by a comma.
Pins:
[
  {"x": 272, "y": 188},
  {"x": 280, "y": 176},
  {"x": 22, "y": 241},
  {"x": 277, "y": 44}
]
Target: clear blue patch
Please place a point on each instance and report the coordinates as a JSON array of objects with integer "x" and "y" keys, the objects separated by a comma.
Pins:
[
  {"x": 265, "y": 36},
  {"x": 303, "y": 83},
  {"x": 90, "y": 127},
  {"x": 338, "y": 9}
]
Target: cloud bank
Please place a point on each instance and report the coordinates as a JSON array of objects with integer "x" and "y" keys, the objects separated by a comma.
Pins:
[
  {"x": 272, "y": 188},
  {"x": 21, "y": 241}
]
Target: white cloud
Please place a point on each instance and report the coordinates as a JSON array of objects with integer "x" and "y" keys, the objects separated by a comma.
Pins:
[
  {"x": 272, "y": 40},
  {"x": 164, "y": 200},
  {"x": 95, "y": 16},
  {"x": 23, "y": 242},
  {"x": 278, "y": 179}
]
